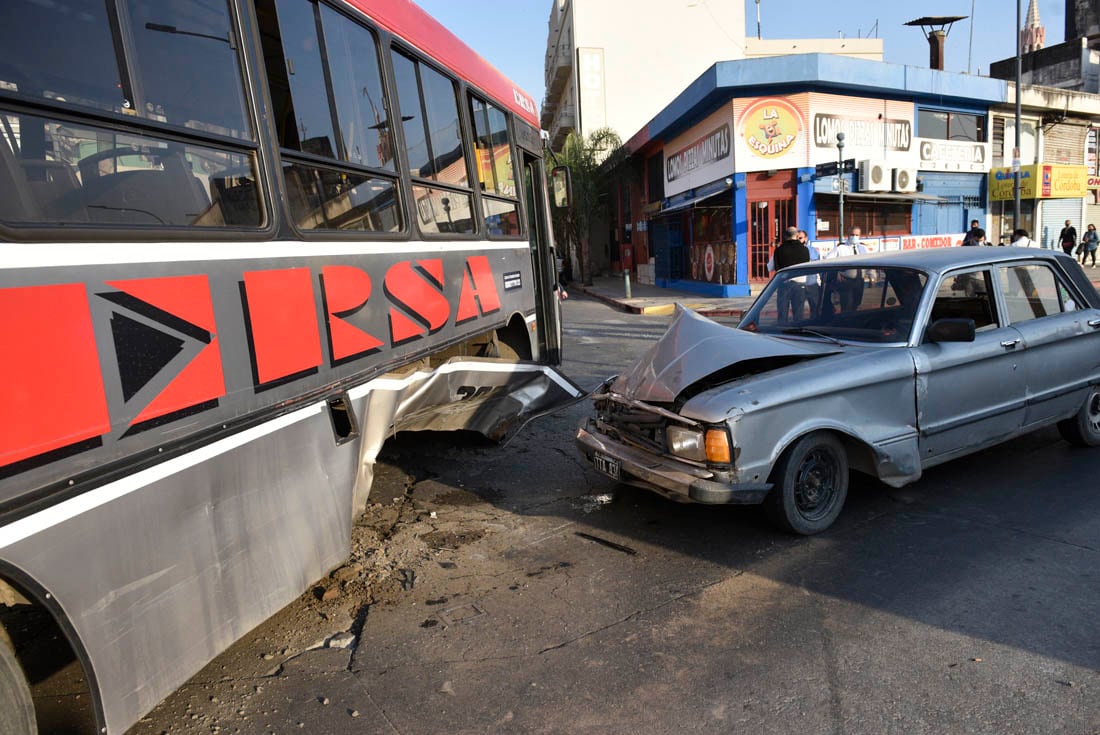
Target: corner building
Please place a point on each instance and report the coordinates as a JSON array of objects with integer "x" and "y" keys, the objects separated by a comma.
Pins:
[{"x": 750, "y": 148}]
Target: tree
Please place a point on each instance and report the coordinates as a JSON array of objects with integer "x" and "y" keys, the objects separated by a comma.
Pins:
[{"x": 592, "y": 162}]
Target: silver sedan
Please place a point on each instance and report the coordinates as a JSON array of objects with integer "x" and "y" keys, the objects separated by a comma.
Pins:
[{"x": 886, "y": 364}]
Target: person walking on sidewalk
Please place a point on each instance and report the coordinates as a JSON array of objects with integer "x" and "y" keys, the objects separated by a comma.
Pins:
[
  {"x": 975, "y": 228},
  {"x": 1092, "y": 239},
  {"x": 1020, "y": 239},
  {"x": 1068, "y": 238}
]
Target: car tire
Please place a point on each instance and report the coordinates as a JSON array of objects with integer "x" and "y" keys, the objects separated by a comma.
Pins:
[
  {"x": 810, "y": 485},
  {"x": 16, "y": 706},
  {"x": 1083, "y": 429}
]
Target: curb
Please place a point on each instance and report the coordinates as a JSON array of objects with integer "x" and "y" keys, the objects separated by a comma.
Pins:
[{"x": 657, "y": 309}]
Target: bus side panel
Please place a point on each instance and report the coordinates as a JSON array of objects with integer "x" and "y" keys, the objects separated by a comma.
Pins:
[{"x": 177, "y": 562}]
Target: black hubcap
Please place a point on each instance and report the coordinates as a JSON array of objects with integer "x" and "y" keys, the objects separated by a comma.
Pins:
[{"x": 815, "y": 485}]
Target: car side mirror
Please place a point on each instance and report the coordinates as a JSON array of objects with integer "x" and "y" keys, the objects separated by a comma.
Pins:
[
  {"x": 561, "y": 187},
  {"x": 951, "y": 330}
]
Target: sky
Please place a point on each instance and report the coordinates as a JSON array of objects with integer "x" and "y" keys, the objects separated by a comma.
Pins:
[{"x": 511, "y": 34}]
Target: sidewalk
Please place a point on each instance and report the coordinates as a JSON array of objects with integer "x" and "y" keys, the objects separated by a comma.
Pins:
[{"x": 655, "y": 301}]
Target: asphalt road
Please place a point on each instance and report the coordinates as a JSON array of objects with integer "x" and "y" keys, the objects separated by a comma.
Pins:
[{"x": 529, "y": 594}]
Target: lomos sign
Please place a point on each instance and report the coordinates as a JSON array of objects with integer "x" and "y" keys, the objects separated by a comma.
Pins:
[
  {"x": 894, "y": 135},
  {"x": 714, "y": 146}
]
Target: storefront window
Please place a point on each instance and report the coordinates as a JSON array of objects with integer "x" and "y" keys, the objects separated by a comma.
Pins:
[
  {"x": 943, "y": 125},
  {"x": 875, "y": 217},
  {"x": 1002, "y": 212}
]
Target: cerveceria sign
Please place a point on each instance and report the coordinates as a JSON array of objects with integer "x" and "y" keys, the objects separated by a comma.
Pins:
[
  {"x": 895, "y": 135},
  {"x": 714, "y": 146}
]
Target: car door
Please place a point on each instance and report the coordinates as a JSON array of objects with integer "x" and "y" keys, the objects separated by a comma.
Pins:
[
  {"x": 1061, "y": 338},
  {"x": 969, "y": 394}
]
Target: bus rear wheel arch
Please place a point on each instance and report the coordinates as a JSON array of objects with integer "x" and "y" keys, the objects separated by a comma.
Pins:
[{"x": 39, "y": 657}]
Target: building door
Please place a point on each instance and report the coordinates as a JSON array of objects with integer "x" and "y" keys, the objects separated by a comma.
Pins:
[
  {"x": 768, "y": 220},
  {"x": 771, "y": 210}
]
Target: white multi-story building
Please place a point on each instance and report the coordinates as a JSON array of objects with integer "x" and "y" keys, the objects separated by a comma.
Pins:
[{"x": 616, "y": 63}]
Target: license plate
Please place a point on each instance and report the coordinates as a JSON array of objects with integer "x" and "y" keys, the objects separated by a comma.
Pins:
[{"x": 607, "y": 465}]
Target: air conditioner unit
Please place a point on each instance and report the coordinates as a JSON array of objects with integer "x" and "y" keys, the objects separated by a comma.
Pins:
[
  {"x": 905, "y": 179},
  {"x": 874, "y": 176}
]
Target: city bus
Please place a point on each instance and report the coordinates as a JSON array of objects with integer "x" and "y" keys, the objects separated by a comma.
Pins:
[{"x": 242, "y": 242}]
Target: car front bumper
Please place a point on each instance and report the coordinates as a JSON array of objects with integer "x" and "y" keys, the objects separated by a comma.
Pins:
[{"x": 674, "y": 479}]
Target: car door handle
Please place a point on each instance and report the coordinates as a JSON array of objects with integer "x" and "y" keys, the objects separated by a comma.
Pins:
[
  {"x": 1010, "y": 344},
  {"x": 1094, "y": 323}
]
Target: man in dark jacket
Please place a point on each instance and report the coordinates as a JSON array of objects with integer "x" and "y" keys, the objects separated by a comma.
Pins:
[
  {"x": 792, "y": 294},
  {"x": 1068, "y": 238}
]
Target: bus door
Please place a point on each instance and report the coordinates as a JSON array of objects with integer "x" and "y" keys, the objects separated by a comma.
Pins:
[{"x": 542, "y": 260}]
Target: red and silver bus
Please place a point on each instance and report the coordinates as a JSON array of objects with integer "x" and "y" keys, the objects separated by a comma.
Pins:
[{"x": 242, "y": 242}]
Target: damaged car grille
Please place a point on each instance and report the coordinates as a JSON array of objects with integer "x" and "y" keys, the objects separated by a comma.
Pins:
[{"x": 637, "y": 423}]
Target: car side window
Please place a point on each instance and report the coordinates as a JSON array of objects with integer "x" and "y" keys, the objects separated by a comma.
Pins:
[
  {"x": 1032, "y": 292},
  {"x": 966, "y": 295}
]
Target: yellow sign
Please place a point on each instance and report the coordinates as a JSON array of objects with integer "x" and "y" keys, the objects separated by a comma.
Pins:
[
  {"x": 771, "y": 127},
  {"x": 1040, "y": 181}
]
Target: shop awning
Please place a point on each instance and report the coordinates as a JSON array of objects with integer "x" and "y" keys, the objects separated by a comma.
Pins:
[
  {"x": 891, "y": 196},
  {"x": 690, "y": 202}
]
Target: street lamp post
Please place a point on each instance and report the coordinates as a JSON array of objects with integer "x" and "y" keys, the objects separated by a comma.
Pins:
[
  {"x": 840, "y": 176},
  {"x": 1016, "y": 151}
]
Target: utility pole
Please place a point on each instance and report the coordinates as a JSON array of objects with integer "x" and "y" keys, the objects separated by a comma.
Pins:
[
  {"x": 1016, "y": 150},
  {"x": 757, "y": 19},
  {"x": 843, "y": 181}
]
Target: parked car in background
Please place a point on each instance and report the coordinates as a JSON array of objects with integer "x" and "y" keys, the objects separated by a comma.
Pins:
[{"x": 887, "y": 364}]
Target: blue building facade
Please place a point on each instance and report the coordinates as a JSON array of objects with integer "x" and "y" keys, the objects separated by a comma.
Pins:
[{"x": 747, "y": 150}]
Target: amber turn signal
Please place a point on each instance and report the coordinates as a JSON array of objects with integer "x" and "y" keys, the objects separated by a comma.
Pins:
[{"x": 718, "y": 446}]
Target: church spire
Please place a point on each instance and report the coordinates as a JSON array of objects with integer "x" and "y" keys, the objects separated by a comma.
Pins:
[{"x": 1032, "y": 35}]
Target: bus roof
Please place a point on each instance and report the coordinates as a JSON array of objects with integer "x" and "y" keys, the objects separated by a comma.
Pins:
[{"x": 407, "y": 20}]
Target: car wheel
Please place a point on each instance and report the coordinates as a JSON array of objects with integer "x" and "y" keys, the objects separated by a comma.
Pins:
[
  {"x": 16, "y": 706},
  {"x": 1083, "y": 429},
  {"x": 810, "y": 485}
]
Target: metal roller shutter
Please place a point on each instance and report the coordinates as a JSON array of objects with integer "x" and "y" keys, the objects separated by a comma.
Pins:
[{"x": 1053, "y": 214}]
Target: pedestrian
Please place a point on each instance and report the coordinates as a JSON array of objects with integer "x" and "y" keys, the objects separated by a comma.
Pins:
[
  {"x": 975, "y": 237},
  {"x": 849, "y": 286},
  {"x": 813, "y": 283},
  {"x": 1020, "y": 239},
  {"x": 1092, "y": 239},
  {"x": 792, "y": 294},
  {"x": 1068, "y": 238},
  {"x": 975, "y": 227}
]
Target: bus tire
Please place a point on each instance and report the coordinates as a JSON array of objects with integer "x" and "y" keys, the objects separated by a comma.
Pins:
[{"x": 16, "y": 706}]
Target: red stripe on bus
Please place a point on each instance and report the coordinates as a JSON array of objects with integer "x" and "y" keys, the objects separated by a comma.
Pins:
[
  {"x": 52, "y": 393},
  {"x": 478, "y": 289},
  {"x": 417, "y": 296},
  {"x": 201, "y": 380},
  {"x": 187, "y": 297},
  {"x": 407, "y": 20},
  {"x": 283, "y": 317},
  {"x": 347, "y": 290}
]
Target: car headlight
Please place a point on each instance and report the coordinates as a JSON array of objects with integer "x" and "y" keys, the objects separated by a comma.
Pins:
[{"x": 686, "y": 443}]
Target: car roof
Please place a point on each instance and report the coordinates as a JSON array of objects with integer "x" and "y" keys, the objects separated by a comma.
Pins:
[{"x": 939, "y": 259}]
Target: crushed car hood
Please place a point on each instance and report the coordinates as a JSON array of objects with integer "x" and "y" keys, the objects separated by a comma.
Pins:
[{"x": 695, "y": 347}]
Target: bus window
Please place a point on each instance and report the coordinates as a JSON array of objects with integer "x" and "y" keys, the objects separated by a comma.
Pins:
[
  {"x": 322, "y": 198},
  {"x": 357, "y": 89},
  {"x": 326, "y": 90},
  {"x": 42, "y": 42},
  {"x": 186, "y": 64},
  {"x": 493, "y": 148},
  {"x": 433, "y": 142},
  {"x": 298, "y": 88},
  {"x": 59, "y": 172},
  {"x": 432, "y": 132}
]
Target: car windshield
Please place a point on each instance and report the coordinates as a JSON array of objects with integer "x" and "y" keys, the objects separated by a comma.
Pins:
[{"x": 867, "y": 304}]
